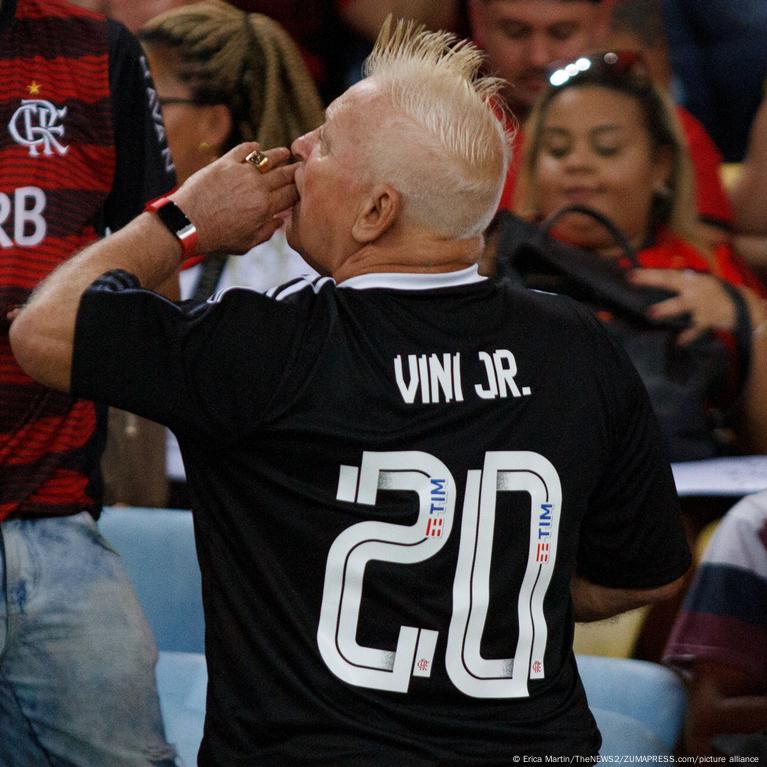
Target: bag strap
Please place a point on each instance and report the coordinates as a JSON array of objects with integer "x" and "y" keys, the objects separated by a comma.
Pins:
[
  {"x": 521, "y": 246},
  {"x": 517, "y": 236},
  {"x": 742, "y": 332},
  {"x": 616, "y": 233}
]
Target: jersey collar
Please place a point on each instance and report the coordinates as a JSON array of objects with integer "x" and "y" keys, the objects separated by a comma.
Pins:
[{"x": 412, "y": 281}]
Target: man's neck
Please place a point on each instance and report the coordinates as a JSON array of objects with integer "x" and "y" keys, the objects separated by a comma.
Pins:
[{"x": 421, "y": 255}]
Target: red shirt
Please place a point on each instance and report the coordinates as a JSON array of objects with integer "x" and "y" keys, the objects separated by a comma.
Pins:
[{"x": 671, "y": 252}]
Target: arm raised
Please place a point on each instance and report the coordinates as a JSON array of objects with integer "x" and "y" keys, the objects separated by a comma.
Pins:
[{"x": 231, "y": 204}]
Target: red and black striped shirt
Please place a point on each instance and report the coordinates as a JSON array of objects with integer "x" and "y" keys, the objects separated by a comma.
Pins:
[{"x": 82, "y": 151}]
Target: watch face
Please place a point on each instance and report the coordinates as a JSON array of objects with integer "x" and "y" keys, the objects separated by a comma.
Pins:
[
  {"x": 179, "y": 225},
  {"x": 172, "y": 216}
]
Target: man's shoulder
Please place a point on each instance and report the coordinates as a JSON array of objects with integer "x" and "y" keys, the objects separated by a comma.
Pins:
[
  {"x": 548, "y": 307},
  {"x": 548, "y": 313},
  {"x": 301, "y": 298},
  {"x": 301, "y": 288}
]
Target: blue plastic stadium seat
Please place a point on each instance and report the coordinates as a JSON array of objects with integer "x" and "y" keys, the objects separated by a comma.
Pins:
[
  {"x": 182, "y": 679},
  {"x": 157, "y": 548},
  {"x": 646, "y": 703}
]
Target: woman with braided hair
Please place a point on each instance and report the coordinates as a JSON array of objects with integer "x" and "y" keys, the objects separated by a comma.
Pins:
[
  {"x": 238, "y": 76},
  {"x": 222, "y": 77}
]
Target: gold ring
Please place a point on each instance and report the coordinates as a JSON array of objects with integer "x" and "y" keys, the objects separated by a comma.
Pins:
[{"x": 259, "y": 159}]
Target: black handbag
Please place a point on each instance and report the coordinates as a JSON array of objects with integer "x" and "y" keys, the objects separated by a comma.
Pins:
[{"x": 691, "y": 388}]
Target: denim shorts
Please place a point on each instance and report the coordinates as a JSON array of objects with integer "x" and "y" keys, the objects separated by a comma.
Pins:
[{"x": 77, "y": 658}]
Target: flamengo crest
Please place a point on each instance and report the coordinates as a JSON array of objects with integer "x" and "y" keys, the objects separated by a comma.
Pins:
[{"x": 37, "y": 124}]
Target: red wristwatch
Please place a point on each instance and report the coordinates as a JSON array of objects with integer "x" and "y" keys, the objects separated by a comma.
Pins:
[{"x": 176, "y": 222}]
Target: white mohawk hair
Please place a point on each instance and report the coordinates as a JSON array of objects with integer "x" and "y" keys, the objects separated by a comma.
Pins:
[
  {"x": 408, "y": 50},
  {"x": 435, "y": 80},
  {"x": 410, "y": 44}
]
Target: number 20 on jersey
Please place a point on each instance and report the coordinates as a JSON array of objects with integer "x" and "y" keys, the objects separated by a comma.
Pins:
[{"x": 430, "y": 479}]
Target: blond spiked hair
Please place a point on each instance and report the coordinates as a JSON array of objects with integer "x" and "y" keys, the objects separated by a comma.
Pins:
[
  {"x": 450, "y": 161},
  {"x": 244, "y": 60}
]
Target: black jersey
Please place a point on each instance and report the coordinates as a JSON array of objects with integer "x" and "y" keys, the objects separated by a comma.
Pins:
[{"x": 395, "y": 479}]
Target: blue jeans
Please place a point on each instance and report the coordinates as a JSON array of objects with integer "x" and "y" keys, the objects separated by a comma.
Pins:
[{"x": 77, "y": 658}]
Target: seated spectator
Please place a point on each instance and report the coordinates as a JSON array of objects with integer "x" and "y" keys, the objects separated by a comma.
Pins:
[
  {"x": 224, "y": 76},
  {"x": 607, "y": 138},
  {"x": 719, "y": 640},
  {"x": 523, "y": 38},
  {"x": 234, "y": 76}
]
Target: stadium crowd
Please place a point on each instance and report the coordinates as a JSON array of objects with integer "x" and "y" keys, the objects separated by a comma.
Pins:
[{"x": 272, "y": 261}]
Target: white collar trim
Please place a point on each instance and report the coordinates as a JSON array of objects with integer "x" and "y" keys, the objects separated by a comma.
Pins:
[{"x": 414, "y": 281}]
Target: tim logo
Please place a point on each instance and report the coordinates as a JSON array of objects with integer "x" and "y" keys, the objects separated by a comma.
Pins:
[
  {"x": 438, "y": 499},
  {"x": 38, "y": 124},
  {"x": 542, "y": 552}
]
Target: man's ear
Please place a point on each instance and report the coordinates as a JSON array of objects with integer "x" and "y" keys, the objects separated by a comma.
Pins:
[{"x": 379, "y": 211}]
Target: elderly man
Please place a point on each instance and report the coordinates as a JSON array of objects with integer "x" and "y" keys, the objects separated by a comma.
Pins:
[{"x": 410, "y": 478}]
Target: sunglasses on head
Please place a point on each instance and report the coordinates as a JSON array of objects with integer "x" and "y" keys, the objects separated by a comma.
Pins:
[{"x": 608, "y": 65}]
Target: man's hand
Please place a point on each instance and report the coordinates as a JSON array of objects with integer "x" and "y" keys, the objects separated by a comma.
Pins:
[{"x": 232, "y": 204}]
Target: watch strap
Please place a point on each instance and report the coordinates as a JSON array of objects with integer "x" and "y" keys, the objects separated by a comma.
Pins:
[{"x": 176, "y": 222}]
